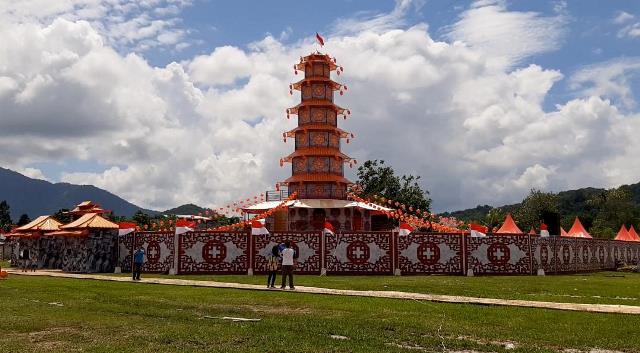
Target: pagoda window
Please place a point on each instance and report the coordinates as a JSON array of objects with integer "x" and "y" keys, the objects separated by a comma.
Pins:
[
  {"x": 334, "y": 140},
  {"x": 301, "y": 139},
  {"x": 319, "y": 139},
  {"x": 306, "y": 93},
  {"x": 331, "y": 117},
  {"x": 318, "y": 115},
  {"x": 304, "y": 116},
  {"x": 319, "y": 90}
]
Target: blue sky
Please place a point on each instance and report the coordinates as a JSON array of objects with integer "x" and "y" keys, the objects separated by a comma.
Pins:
[{"x": 475, "y": 82}]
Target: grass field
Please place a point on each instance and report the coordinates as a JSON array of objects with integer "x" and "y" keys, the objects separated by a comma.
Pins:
[
  {"x": 598, "y": 288},
  {"x": 66, "y": 315}
]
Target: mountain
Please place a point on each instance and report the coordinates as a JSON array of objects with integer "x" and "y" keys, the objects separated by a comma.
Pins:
[
  {"x": 187, "y": 209},
  {"x": 39, "y": 197},
  {"x": 571, "y": 203}
]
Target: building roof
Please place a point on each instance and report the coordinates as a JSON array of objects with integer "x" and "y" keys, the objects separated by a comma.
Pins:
[
  {"x": 312, "y": 203},
  {"x": 90, "y": 220},
  {"x": 577, "y": 230},
  {"x": 623, "y": 234},
  {"x": 633, "y": 234},
  {"x": 509, "y": 226},
  {"x": 42, "y": 223},
  {"x": 87, "y": 207}
]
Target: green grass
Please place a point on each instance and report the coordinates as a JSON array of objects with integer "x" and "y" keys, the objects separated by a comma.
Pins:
[
  {"x": 599, "y": 288},
  {"x": 111, "y": 317}
]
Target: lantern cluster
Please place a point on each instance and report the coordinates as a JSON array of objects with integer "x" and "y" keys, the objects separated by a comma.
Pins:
[
  {"x": 409, "y": 214},
  {"x": 237, "y": 206},
  {"x": 240, "y": 225}
]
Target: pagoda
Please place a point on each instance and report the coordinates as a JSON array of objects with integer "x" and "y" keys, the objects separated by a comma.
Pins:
[{"x": 317, "y": 164}]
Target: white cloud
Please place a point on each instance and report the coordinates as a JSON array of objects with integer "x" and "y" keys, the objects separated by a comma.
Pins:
[
  {"x": 377, "y": 22},
  {"x": 507, "y": 37},
  {"x": 623, "y": 17},
  {"x": 611, "y": 79},
  {"x": 208, "y": 130},
  {"x": 630, "y": 27}
]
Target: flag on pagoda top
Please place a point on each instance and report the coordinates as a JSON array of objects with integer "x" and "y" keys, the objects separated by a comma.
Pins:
[
  {"x": 258, "y": 227},
  {"x": 320, "y": 39},
  {"x": 183, "y": 226},
  {"x": 478, "y": 230},
  {"x": 125, "y": 228},
  {"x": 328, "y": 228},
  {"x": 544, "y": 230},
  {"x": 405, "y": 229}
]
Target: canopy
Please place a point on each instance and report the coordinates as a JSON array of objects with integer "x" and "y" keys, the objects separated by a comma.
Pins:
[
  {"x": 623, "y": 234},
  {"x": 633, "y": 234},
  {"x": 532, "y": 231},
  {"x": 42, "y": 223},
  {"x": 577, "y": 230},
  {"x": 563, "y": 233},
  {"x": 91, "y": 220},
  {"x": 509, "y": 226}
]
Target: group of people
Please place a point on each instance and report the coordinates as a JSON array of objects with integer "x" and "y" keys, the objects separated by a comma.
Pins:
[
  {"x": 26, "y": 262},
  {"x": 281, "y": 256}
]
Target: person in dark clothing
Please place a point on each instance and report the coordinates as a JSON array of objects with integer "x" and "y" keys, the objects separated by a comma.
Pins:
[
  {"x": 272, "y": 266},
  {"x": 287, "y": 265},
  {"x": 138, "y": 260},
  {"x": 26, "y": 259}
]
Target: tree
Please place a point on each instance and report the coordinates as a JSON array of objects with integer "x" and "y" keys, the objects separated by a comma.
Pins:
[
  {"x": 615, "y": 207},
  {"x": 141, "y": 218},
  {"x": 375, "y": 178},
  {"x": 538, "y": 207},
  {"x": 62, "y": 216},
  {"x": 24, "y": 219},
  {"x": 494, "y": 218},
  {"x": 5, "y": 216}
]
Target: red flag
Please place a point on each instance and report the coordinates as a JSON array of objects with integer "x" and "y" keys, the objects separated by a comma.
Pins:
[
  {"x": 320, "y": 39},
  {"x": 478, "y": 230},
  {"x": 328, "y": 228}
]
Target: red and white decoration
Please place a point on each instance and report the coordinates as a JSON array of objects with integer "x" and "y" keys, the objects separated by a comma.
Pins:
[
  {"x": 544, "y": 231},
  {"x": 328, "y": 228},
  {"x": 258, "y": 227},
  {"x": 405, "y": 229},
  {"x": 478, "y": 230},
  {"x": 184, "y": 226},
  {"x": 126, "y": 228},
  {"x": 214, "y": 252}
]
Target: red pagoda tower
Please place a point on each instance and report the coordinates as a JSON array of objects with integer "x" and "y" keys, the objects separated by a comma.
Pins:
[{"x": 317, "y": 170}]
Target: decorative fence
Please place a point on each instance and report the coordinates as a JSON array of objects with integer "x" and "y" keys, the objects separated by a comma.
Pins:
[{"x": 370, "y": 253}]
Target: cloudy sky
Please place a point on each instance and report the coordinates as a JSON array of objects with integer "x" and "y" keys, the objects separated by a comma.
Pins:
[{"x": 165, "y": 102}]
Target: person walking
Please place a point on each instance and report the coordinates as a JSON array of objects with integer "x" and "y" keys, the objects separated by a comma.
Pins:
[
  {"x": 272, "y": 266},
  {"x": 26, "y": 259},
  {"x": 138, "y": 260},
  {"x": 287, "y": 265}
]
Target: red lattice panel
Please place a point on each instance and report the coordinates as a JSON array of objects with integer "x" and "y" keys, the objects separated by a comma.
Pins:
[
  {"x": 214, "y": 252},
  {"x": 308, "y": 247},
  {"x": 544, "y": 251},
  {"x": 565, "y": 255},
  {"x": 499, "y": 254},
  {"x": 430, "y": 253},
  {"x": 125, "y": 256},
  {"x": 158, "y": 247},
  {"x": 362, "y": 252}
]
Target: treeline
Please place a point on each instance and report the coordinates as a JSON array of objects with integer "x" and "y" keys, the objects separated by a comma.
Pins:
[{"x": 601, "y": 211}]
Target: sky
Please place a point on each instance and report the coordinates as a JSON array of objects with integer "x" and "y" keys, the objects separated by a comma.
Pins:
[{"x": 166, "y": 102}]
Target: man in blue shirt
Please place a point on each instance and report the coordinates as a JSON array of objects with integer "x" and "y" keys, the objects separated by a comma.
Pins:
[{"x": 138, "y": 259}]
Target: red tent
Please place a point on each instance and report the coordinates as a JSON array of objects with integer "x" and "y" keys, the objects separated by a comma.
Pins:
[
  {"x": 509, "y": 226},
  {"x": 633, "y": 235},
  {"x": 563, "y": 233},
  {"x": 577, "y": 230},
  {"x": 623, "y": 234},
  {"x": 532, "y": 231}
]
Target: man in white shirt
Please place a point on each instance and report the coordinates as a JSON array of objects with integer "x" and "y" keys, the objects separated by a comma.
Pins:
[{"x": 287, "y": 265}]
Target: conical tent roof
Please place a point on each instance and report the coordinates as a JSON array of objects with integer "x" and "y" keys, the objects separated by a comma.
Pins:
[
  {"x": 509, "y": 226},
  {"x": 532, "y": 231},
  {"x": 563, "y": 233},
  {"x": 633, "y": 235},
  {"x": 623, "y": 234},
  {"x": 577, "y": 230}
]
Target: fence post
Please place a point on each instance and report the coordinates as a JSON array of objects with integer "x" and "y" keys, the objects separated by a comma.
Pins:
[
  {"x": 394, "y": 243},
  {"x": 323, "y": 250},
  {"x": 174, "y": 269},
  {"x": 251, "y": 245}
]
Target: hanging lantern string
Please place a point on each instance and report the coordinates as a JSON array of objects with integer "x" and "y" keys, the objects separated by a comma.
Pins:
[
  {"x": 237, "y": 206},
  {"x": 411, "y": 215},
  {"x": 266, "y": 214}
]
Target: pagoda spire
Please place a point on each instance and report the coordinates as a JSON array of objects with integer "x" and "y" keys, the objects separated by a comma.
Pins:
[{"x": 317, "y": 163}]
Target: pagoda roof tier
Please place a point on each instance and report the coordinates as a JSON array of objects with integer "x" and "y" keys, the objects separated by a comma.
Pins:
[
  {"x": 316, "y": 57},
  {"x": 334, "y": 85},
  {"x": 313, "y": 177},
  {"x": 317, "y": 151},
  {"x": 318, "y": 102},
  {"x": 42, "y": 223},
  {"x": 342, "y": 133}
]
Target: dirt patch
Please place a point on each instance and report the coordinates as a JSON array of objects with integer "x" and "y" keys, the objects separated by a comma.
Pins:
[{"x": 504, "y": 344}]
